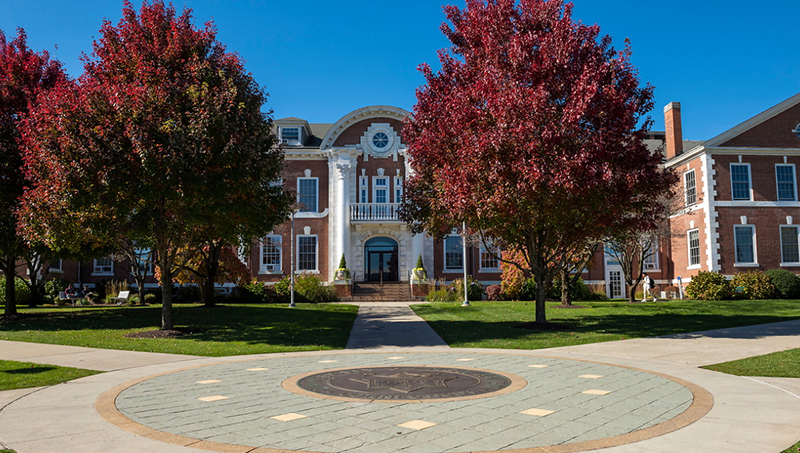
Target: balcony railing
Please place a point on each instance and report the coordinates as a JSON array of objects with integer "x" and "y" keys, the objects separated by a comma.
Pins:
[{"x": 365, "y": 212}]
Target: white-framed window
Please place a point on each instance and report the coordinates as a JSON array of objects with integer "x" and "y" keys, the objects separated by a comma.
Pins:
[
  {"x": 56, "y": 266},
  {"x": 740, "y": 182},
  {"x": 785, "y": 181},
  {"x": 790, "y": 239},
  {"x": 363, "y": 190},
  {"x": 690, "y": 188},
  {"x": 103, "y": 266},
  {"x": 271, "y": 253},
  {"x": 651, "y": 262},
  {"x": 398, "y": 189},
  {"x": 693, "y": 241},
  {"x": 453, "y": 252},
  {"x": 744, "y": 237},
  {"x": 144, "y": 260},
  {"x": 380, "y": 190},
  {"x": 307, "y": 252},
  {"x": 290, "y": 135},
  {"x": 308, "y": 194},
  {"x": 489, "y": 258},
  {"x": 609, "y": 254}
]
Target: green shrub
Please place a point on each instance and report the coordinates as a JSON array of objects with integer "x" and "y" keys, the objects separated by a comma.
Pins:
[
  {"x": 709, "y": 286},
  {"x": 528, "y": 291},
  {"x": 310, "y": 288},
  {"x": 52, "y": 288},
  {"x": 186, "y": 294},
  {"x": 443, "y": 295},
  {"x": 755, "y": 284},
  {"x": 282, "y": 288},
  {"x": 255, "y": 292},
  {"x": 787, "y": 283},
  {"x": 474, "y": 289},
  {"x": 22, "y": 294}
]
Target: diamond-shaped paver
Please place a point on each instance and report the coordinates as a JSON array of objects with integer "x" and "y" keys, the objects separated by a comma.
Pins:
[
  {"x": 210, "y": 399},
  {"x": 538, "y": 412},
  {"x": 416, "y": 424},
  {"x": 596, "y": 392},
  {"x": 288, "y": 417}
]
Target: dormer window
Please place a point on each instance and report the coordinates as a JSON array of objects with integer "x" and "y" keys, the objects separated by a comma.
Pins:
[{"x": 290, "y": 136}]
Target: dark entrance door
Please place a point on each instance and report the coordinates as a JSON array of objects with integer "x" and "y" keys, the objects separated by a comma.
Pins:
[{"x": 381, "y": 262}]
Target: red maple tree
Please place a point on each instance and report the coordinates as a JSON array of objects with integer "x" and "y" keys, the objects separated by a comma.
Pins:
[
  {"x": 161, "y": 138},
  {"x": 532, "y": 133},
  {"x": 24, "y": 76}
]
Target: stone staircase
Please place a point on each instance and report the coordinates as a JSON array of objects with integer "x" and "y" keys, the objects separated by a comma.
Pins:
[{"x": 375, "y": 292}]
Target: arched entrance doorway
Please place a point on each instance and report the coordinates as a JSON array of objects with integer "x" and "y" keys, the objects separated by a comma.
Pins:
[{"x": 381, "y": 255}]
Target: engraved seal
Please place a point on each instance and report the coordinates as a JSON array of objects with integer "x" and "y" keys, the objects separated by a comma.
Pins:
[{"x": 404, "y": 383}]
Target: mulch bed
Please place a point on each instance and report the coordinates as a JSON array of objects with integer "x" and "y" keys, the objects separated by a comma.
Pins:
[{"x": 160, "y": 333}]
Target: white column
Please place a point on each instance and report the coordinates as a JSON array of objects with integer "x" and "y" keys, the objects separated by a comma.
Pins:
[{"x": 343, "y": 209}]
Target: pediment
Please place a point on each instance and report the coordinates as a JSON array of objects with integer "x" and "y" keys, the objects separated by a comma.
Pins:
[{"x": 775, "y": 128}]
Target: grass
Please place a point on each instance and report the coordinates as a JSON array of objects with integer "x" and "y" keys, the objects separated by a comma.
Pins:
[
  {"x": 496, "y": 324},
  {"x": 20, "y": 375},
  {"x": 784, "y": 364},
  {"x": 228, "y": 330}
]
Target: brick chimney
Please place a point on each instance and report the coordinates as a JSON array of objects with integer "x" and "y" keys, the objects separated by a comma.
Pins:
[{"x": 672, "y": 121}]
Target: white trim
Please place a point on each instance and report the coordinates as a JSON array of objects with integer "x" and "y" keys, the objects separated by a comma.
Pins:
[
  {"x": 444, "y": 254},
  {"x": 316, "y": 194},
  {"x": 753, "y": 263},
  {"x": 101, "y": 272},
  {"x": 711, "y": 213},
  {"x": 488, "y": 270},
  {"x": 777, "y": 183},
  {"x": 758, "y": 204},
  {"x": 364, "y": 113},
  {"x": 316, "y": 254},
  {"x": 780, "y": 243},
  {"x": 749, "y": 180},
  {"x": 275, "y": 268},
  {"x": 754, "y": 121},
  {"x": 387, "y": 187},
  {"x": 686, "y": 189},
  {"x": 689, "y": 249}
]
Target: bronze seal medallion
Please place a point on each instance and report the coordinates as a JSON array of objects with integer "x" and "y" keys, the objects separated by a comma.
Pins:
[{"x": 404, "y": 383}]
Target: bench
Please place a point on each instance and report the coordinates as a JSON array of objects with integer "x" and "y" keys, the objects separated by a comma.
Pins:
[
  {"x": 122, "y": 297},
  {"x": 62, "y": 297}
]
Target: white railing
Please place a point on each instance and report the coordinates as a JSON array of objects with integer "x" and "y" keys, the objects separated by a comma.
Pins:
[{"x": 374, "y": 211}]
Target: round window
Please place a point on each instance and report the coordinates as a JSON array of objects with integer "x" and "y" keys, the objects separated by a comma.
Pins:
[{"x": 380, "y": 140}]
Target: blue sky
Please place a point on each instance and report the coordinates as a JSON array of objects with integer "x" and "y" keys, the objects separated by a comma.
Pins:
[{"x": 319, "y": 60}]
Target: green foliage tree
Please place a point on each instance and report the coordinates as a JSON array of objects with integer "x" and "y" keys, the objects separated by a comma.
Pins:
[{"x": 162, "y": 141}]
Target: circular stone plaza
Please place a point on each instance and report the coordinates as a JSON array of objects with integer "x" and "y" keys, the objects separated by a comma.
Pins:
[{"x": 412, "y": 395}]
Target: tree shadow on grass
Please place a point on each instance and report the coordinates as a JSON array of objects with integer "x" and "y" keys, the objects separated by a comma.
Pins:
[
  {"x": 244, "y": 323},
  {"x": 30, "y": 370},
  {"x": 616, "y": 326}
]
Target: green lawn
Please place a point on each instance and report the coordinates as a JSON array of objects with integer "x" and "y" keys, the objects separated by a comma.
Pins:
[
  {"x": 778, "y": 364},
  {"x": 20, "y": 375},
  {"x": 228, "y": 330},
  {"x": 496, "y": 324},
  {"x": 785, "y": 364}
]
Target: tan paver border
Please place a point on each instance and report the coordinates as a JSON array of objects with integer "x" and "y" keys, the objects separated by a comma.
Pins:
[{"x": 702, "y": 403}]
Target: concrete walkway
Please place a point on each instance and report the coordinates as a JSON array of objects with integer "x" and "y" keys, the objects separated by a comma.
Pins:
[{"x": 747, "y": 414}]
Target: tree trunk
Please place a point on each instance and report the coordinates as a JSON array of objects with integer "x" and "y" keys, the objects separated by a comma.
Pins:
[
  {"x": 166, "y": 288},
  {"x": 539, "y": 275},
  {"x": 11, "y": 299},
  {"x": 212, "y": 267},
  {"x": 631, "y": 292},
  {"x": 566, "y": 286}
]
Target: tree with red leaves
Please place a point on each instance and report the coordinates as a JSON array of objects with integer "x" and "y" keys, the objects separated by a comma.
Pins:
[
  {"x": 531, "y": 133},
  {"x": 161, "y": 138},
  {"x": 24, "y": 76}
]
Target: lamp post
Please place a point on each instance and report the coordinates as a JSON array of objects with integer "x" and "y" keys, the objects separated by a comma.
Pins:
[
  {"x": 291, "y": 263},
  {"x": 464, "y": 258}
]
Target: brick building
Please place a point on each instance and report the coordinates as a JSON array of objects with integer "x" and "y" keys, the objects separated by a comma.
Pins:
[{"x": 739, "y": 209}]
